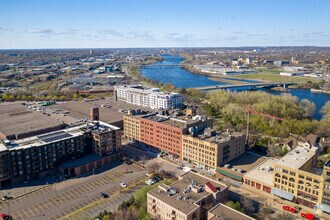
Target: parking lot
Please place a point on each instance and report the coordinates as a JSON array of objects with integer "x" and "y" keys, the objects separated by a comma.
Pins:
[{"x": 59, "y": 200}]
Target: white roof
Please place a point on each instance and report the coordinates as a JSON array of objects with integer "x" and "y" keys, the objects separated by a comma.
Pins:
[
  {"x": 263, "y": 173},
  {"x": 296, "y": 158}
]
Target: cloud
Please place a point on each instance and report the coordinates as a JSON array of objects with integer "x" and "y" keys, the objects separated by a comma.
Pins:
[
  {"x": 140, "y": 35},
  {"x": 5, "y": 29},
  {"x": 238, "y": 32},
  {"x": 179, "y": 36},
  {"x": 111, "y": 32},
  {"x": 257, "y": 35},
  {"x": 40, "y": 31},
  {"x": 316, "y": 34},
  {"x": 231, "y": 38}
]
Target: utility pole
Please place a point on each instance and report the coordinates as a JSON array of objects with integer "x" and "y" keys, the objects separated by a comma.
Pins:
[{"x": 247, "y": 130}]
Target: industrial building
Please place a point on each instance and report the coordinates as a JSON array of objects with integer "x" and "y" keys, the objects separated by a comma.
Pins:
[
  {"x": 187, "y": 198},
  {"x": 152, "y": 98},
  {"x": 42, "y": 155},
  {"x": 17, "y": 122}
]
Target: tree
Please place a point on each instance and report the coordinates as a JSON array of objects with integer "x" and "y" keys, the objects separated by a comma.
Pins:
[
  {"x": 76, "y": 96},
  {"x": 153, "y": 167},
  {"x": 308, "y": 108},
  {"x": 247, "y": 204},
  {"x": 24, "y": 97},
  {"x": 62, "y": 97},
  {"x": 326, "y": 110},
  {"x": 235, "y": 205},
  {"x": 143, "y": 159},
  {"x": 264, "y": 212}
]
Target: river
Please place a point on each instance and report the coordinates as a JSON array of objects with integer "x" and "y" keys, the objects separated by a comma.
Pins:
[{"x": 182, "y": 78}]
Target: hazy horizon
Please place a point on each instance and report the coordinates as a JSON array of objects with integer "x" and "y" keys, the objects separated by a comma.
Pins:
[{"x": 79, "y": 24}]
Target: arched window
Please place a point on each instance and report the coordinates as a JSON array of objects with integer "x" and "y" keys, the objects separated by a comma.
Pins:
[
  {"x": 291, "y": 180},
  {"x": 277, "y": 175},
  {"x": 284, "y": 177},
  {"x": 301, "y": 182}
]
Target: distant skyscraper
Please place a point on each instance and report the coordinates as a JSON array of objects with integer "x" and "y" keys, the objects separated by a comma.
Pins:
[{"x": 90, "y": 51}]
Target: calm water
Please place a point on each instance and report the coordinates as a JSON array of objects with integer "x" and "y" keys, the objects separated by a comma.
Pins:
[{"x": 180, "y": 77}]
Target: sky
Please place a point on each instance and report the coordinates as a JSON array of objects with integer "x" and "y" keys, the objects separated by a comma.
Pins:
[{"x": 168, "y": 23}]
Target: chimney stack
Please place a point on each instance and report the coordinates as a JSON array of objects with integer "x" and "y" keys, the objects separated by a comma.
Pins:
[{"x": 94, "y": 114}]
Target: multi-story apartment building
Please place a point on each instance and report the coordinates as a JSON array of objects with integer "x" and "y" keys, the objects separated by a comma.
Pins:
[
  {"x": 152, "y": 98},
  {"x": 295, "y": 176},
  {"x": 325, "y": 205},
  {"x": 212, "y": 149},
  {"x": 186, "y": 199},
  {"x": 131, "y": 127},
  {"x": 162, "y": 132},
  {"x": 42, "y": 155}
]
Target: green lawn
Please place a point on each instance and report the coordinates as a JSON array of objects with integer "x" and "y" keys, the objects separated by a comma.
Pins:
[{"x": 274, "y": 77}]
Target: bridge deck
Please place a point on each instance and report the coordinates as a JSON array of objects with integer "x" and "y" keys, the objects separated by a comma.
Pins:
[{"x": 227, "y": 86}]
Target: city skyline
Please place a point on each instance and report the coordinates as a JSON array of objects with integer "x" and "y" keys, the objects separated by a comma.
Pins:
[{"x": 124, "y": 24}]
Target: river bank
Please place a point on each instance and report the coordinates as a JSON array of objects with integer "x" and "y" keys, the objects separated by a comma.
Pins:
[{"x": 182, "y": 78}]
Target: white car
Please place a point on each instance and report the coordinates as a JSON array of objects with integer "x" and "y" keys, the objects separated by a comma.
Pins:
[
  {"x": 123, "y": 184},
  {"x": 150, "y": 182}
]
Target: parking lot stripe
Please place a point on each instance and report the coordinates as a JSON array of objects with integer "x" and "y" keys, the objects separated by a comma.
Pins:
[
  {"x": 36, "y": 210},
  {"x": 39, "y": 206},
  {"x": 70, "y": 194},
  {"x": 50, "y": 203},
  {"x": 74, "y": 193},
  {"x": 28, "y": 210}
]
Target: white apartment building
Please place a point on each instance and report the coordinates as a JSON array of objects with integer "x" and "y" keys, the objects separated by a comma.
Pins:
[{"x": 152, "y": 98}]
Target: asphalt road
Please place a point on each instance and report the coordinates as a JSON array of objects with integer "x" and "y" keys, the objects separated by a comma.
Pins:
[{"x": 62, "y": 199}]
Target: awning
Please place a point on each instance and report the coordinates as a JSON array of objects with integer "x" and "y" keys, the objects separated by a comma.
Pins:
[
  {"x": 324, "y": 207},
  {"x": 231, "y": 175},
  {"x": 282, "y": 194}
]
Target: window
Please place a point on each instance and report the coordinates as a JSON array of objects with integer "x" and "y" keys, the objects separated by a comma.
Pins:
[{"x": 285, "y": 171}]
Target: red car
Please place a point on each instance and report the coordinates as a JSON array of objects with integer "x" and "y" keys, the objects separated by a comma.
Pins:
[
  {"x": 308, "y": 216},
  {"x": 289, "y": 209},
  {"x": 5, "y": 217}
]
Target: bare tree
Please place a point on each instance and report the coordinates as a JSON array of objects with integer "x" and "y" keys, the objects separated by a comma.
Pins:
[
  {"x": 247, "y": 204},
  {"x": 264, "y": 212},
  {"x": 153, "y": 167}
]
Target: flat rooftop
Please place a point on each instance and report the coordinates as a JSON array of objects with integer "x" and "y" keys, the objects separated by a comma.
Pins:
[
  {"x": 223, "y": 212},
  {"x": 178, "y": 200},
  {"x": 179, "y": 123},
  {"x": 296, "y": 158},
  {"x": 109, "y": 113},
  {"x": 47, "y": 138},
  {"x": 55, "y": 136},
  {"x": 245, "y": 162},
  {"x": 263, "y": 173},
  {"x": 16, "y": 118},
  {"x": 220, "y": 137}
]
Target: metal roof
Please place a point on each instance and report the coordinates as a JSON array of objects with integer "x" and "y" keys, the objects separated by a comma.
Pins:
[{"x": 282, "y": 194}]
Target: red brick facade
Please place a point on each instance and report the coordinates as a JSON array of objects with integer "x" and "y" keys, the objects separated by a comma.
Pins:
[{"x": 161, "y": 136}]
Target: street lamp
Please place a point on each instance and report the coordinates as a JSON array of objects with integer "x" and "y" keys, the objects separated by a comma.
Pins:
[{"x": 55, "y": 191}]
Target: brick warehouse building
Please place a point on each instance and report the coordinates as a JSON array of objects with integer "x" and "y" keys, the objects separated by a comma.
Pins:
[{"x": 163, "y": 132}]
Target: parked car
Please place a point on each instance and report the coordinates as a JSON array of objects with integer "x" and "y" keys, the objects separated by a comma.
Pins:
[
  {"x": 6, "y": 197},
  {"x": 289, "y": 209},
  {"x": 150, "y": 182},
  {"x": 103, "y": 195},
  {"x": 5, "y": 217},
  {"x": 307, "y": 216},
  {"x": 123, "y": 184}
]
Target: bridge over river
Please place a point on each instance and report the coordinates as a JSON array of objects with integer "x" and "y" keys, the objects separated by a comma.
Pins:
[{"x": 250, "y": 85}]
